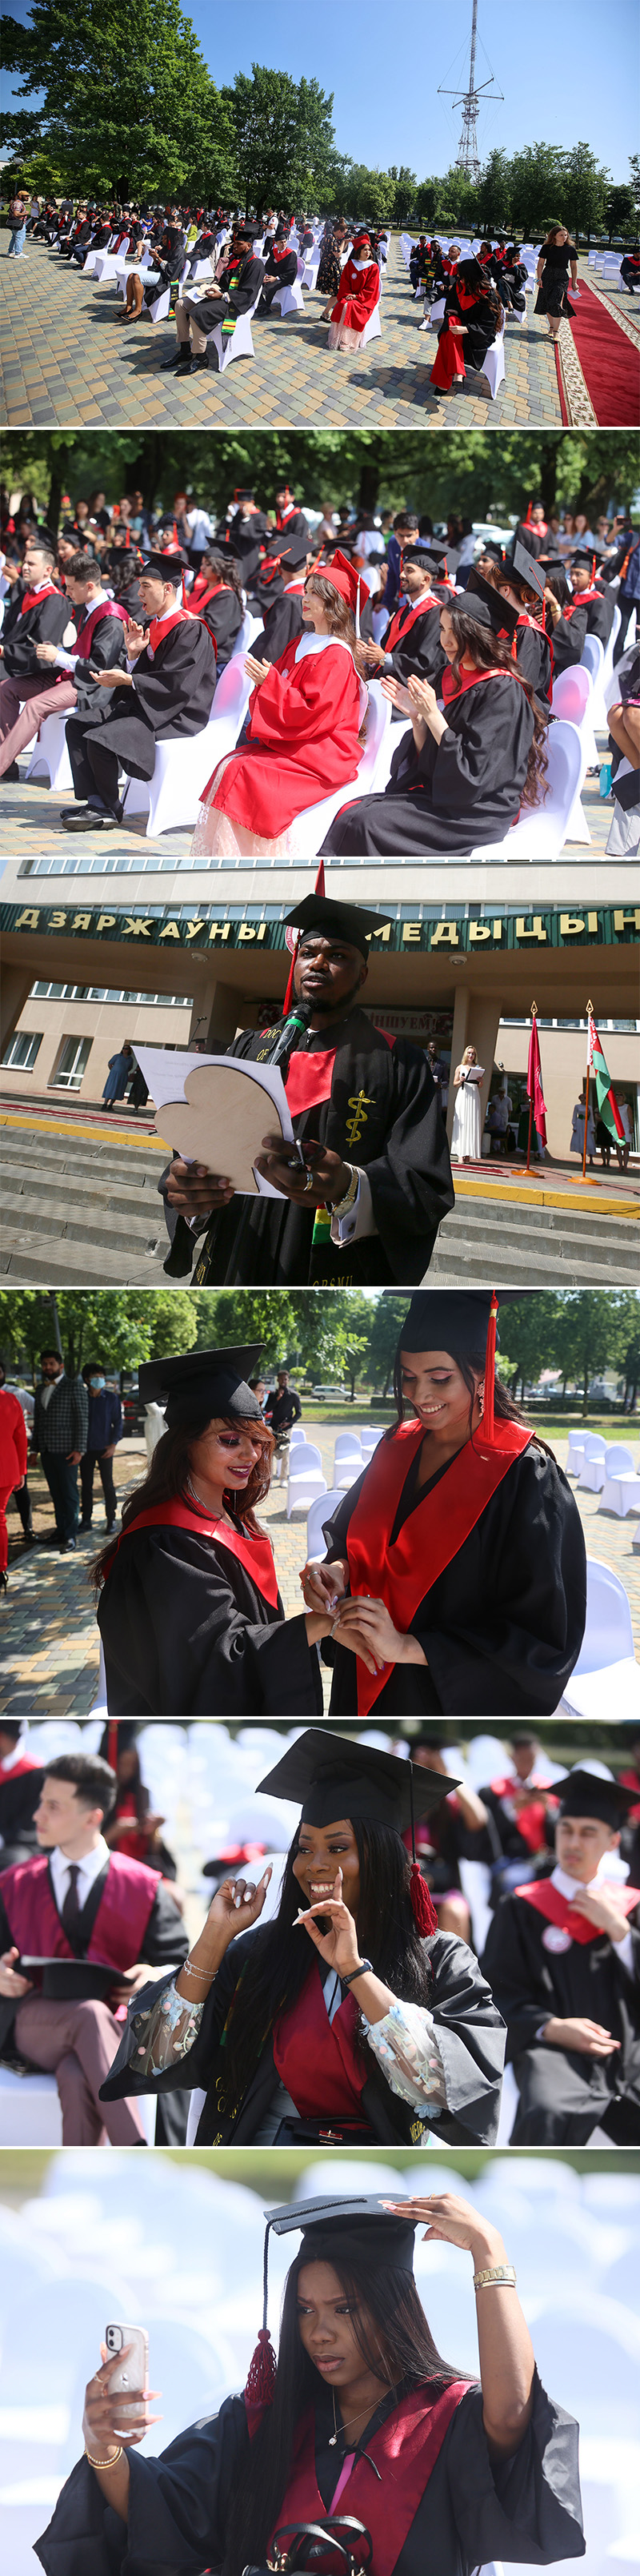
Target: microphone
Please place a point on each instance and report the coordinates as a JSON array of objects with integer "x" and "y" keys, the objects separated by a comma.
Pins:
[{"x": 291, "y": 1032}]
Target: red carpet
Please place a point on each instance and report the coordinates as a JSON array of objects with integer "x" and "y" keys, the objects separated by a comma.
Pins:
[{"x": 610, "y": 365}]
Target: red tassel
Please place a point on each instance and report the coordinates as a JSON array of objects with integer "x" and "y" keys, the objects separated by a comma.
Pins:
[
  {"x": 261, "y": 2380},
  {"x": 489, "y": 1373},
  {"x": 422, "y": 1905}
]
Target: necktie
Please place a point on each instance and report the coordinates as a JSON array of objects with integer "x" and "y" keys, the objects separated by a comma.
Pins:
[{"x": 70, "y": 1916}]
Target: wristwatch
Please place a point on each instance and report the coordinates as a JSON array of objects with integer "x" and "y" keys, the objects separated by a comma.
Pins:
[{"x": 340, "y": 1207}]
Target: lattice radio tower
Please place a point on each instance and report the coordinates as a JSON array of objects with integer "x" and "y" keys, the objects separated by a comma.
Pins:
[{"x": 468, "y": 157}]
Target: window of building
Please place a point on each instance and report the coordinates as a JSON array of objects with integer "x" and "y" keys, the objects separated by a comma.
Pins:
[
  {"x": 72, "y": 1064},
  {"x": 104, "y": 993},
  {"x": 22, "y": 1050}
]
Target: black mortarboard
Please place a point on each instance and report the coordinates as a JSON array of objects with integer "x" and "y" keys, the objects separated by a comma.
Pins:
[
  {"x": 431, "y": 556},
  {"x": 461, "y": 1321},
  {"x": 583, "y": 1793},
  {"x": 243, "y": 493},
  {"x": 344, "y": 920},
  {"x": 490, "y": 546},
  {"x": 199, "y": 1385},
  {"x": 169, "y": 567},
  {"x": 333, "y": 1775},
  {"x": 526, "y": 568},
  {"x": 583, "y": 555},
  {"x": 553, "y": 563},
  {"x": 331, "y": 2229},
  {"x": 487, "y": 605},
  {"x": 71, "y": 1980}
]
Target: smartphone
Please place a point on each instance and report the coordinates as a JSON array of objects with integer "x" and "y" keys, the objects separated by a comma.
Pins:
[{"x": 134, "y": 2372}]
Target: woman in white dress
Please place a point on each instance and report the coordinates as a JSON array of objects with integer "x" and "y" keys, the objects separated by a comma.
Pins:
[
  {"x": 577, "y": 1129},
  {"x": 467, "y": 1128}
]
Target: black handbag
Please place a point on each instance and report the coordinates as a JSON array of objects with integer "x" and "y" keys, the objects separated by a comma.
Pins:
[{"x": 339, "y": 2547}]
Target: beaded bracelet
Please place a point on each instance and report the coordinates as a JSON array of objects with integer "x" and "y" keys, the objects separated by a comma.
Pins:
[{"x": 498, "y": 2275}]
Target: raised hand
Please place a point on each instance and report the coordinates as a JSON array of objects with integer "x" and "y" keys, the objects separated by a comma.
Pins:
[
  {"x": 110, "y": 2418},
  {"x": 337, "y": 1944}
]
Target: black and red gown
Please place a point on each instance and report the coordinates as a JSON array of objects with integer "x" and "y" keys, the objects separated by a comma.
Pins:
[
  {"x": 590, "y": 613},
  {"x": 466, "y": 304},
  {"x": 543, "y": 1959},
  {"x": 129, "y": 1915},
  {"x": 535, "y": 656},
  {"x": 434, "y": 2500},
  {"x": 316, "y": 2071},
  {"x": 20, "y": 1786},
  {"x": 412, "y": 638},
  {"x": 452, "y": 795},
  {"x": 485, "y": 1565},
  {"x": 192, "y": 1623}
]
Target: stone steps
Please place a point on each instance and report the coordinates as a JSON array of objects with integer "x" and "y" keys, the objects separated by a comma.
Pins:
[
  {"x": 534, "y": 1248},
  {"x": 77, "y": 1212}
]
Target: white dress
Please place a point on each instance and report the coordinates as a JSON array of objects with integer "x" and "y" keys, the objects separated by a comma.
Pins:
[{"x": 467, "y": 1128}]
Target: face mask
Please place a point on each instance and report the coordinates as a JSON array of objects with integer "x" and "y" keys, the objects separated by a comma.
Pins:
[{"x": 97, "y": 1384}]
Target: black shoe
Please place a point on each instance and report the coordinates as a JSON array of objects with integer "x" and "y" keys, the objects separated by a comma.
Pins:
[
  {"x": 12, "y": 775},
  {"x": 181, "y": 357},
  {"x": 85, "y": 819},
  {"x": 28, "y": 1535},
  {"x": 67, "y": 1546},
  {"x": 83, "y": 1526},
  {"x": 198, "y": 361},
  {"x": 110, "y": 1526},
  {"x": 4, "y": 1579}
]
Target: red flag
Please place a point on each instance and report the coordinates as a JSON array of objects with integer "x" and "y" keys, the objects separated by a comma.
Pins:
[
  {"x": 534, "y": 1084},
  {"x": 319, "y": 888}
]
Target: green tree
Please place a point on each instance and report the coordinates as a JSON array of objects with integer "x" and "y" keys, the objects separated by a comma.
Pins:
[
  {"x": 405, "y": 187},
  {"x": 495, "y": 192},
  {"x": 586, "y": 1336},
  {"x": 389, "y": 1316},
  {"x": 526, "y": 1332},
  {"x": 620, "y": 213},
  {"x": 303, "y": 1328},
  {"x": 537, "y": 187},
  {"x": 157, "y": 123},
  {"x": 368, "y": 194},
  {"x": 426, "y": 201},
  {"x": 628, "y": 1347},
  {"x": 585, "y": 191},
  {"x": 283, "y": 137},
  {"x": 353, "y": 1335},
  {"x": 119, "y": 1326}
]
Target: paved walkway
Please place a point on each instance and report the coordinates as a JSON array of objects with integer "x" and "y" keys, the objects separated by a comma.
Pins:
[
  {"x": 49, "y": 1643},
  {"x": 70, "y": 362},
  {"x": 31, "y": 828}
]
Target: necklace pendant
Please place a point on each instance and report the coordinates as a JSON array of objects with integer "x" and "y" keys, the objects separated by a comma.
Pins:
[{"x": 332, "y": 2441}]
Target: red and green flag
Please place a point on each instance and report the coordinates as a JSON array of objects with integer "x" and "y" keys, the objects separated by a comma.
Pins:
[{"x": 607, "y": 1105}]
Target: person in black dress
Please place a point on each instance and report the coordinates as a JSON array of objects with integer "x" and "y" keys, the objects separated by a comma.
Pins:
[
  {"x": 460, "y": 778},
  {"x": 359, "y": 2417},
  {"x": 556, "y": 257},
  {"x": 347, "y": 2018},
  {"x": 456, "y": 1564},
  {"x": 189, "y": 1611},
  {"x": 563, "y": 1955}
]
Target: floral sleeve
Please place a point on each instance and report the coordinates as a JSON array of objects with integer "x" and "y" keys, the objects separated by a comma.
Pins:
[
  {"x": 406, "y": 2047},
  {"x": 165, "y": 2031}
]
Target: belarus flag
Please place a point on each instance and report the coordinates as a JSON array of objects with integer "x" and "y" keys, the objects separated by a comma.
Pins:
[{"x": 607, "y": 1104}]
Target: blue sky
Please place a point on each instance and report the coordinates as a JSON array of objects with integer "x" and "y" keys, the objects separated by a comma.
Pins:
[{"x": 569, "y": 72}]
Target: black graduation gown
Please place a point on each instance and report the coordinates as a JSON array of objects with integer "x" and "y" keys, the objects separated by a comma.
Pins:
[
  {"x": 43, "y": 624},
  {"x": 19, "y": 1797},
  {"x": 186, "y": 1633},
  {"x": 563, "y": 2095},
  {"x": 246, "y": 539},
  {"x": 400, "y": 1139},
  {"x": 290, "y": 542},
  {"x": 165, "y": 1942},
  {"x": 522, "y": 2510},
  {"x": 223, "y": 615},
  {"x": 593, "y": 617},
  {"x": 479, "y": 322},
  {"x": 470, "y": 2039},
  {"x": 283, "y": 622},
  {"x": 533, "y": 653},
  {"x": 452, "y": 795},
  {"x": 502, "y": 1627},
  {"x": 172, "y": 696},
  {"x": 108, "y": 652},
  {"x": 417, "y": 654}
]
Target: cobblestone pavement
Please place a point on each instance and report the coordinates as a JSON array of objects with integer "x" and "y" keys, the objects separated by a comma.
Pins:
[
  {"x": 31, "y": 828},
  {"x": 49, "y": 1647},
  {"x": 68, "y": 365}
]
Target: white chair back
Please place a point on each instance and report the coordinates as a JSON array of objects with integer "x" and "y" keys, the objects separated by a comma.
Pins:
[
  {"x": 347, "y": 1443},
  {"x": 608, "y": 1636},
  {"x": 593, "y": 657},
  {"x": 571, "y": 693},
  {"x": 320, "y": 1511},
  {"x": 619, "y": 1460}
]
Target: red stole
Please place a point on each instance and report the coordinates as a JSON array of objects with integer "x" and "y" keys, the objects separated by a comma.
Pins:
[
  {"x": 401, "y": 1574},
  {"x": 316, "y": 2059},
  {"x": 452, "y": 689},
  {"x": 161, "y": 626},
  {"x": 404, "y": 2449},
  {"x": 128, "y": 1895},
  {"x": 402, "y": 623},
  {"x": 255, "y": 1554},
  {"x": 34, "y": 598},
  {"x": 582, "y": 600},
  {"x": 18, "y": 1768},
  {"x": 308, "y": 1079},
  {"x": 105, "y": 608},
  {"x": 529, "y": 1821},
  {"x": 548, "y": 1901}
]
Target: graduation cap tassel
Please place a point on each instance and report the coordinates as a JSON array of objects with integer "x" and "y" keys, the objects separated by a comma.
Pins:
[
  {"x": 488, "y": 1416},
  {"x": 261, "y": 2377},
  {"x": 422, "y": 1906}
]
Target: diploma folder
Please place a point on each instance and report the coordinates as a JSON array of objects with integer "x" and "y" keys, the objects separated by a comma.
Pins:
[
  {"x": 215, "y": 1109},
  {"x": 66, "y": 1981}
]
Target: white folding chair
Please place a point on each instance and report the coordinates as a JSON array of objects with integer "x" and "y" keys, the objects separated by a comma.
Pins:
[
  {"x": 180, "y": 774},
  {"x": 347, "y": 1460},
  {"x": 591, "y": 1478},
  {"x": 373, "y": 327},
  {"x": 305, "y": 1479},
  {"x": 238, "y": 345},
  {"x": 606, "y": 1674},
  {"x": 289, "y": 299},
  {"x": 320, "y": 1511},
  {"x": 541, "y": 832},
  {"x": 621, "y": 1489},
  {"x": 575, "y": 1454},
  {"x": 493, "y": 365},
  {"x": 50, "y": 755},
  {"x": 310, "y": 826}
]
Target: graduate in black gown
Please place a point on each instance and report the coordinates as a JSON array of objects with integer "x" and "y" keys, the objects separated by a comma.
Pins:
[
  {"x": 166, "y": 695},
  {"x": 359, "y": 2417},
  {"x": 474, "y": 309},
  {"x": 217, "y": 599},
  {"x": 563, "y": 1955},
  {"x": 457, "y": 1560},
  {"x": 349, "y": 2017},
  {"x": 463, "y": 773},
  {"x": 590, "y": 611},
  {"x": 521, "y": 581},
  {"x": 189, "y": 1611},
  {"x": 411, "y": 641},
  {"x": 376, "y": 1180}
]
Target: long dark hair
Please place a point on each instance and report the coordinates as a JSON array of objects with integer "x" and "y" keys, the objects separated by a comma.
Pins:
[
  {"x": 391, "y": 2330},
  {"x": 167, "y": 1476},
  {"x": 480, "y": 645},
  {"x": 223, "y": 568},
  {"x": 277, "y": 1966}
]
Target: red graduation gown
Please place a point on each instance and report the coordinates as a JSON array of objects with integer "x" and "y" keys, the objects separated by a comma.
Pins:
[
  {"x": 358, "y": 294},
  {"x": 304, "y": 723}
]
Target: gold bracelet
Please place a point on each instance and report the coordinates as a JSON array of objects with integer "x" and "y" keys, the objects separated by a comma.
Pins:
[
  {"x": 498, "y": 2275},
  {"x": 104, "y": 2464}
]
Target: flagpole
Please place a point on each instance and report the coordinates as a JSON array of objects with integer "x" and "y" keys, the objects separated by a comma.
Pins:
[
  {"x": 533, "y": 1014},
  {"x": 586, "y": 1104}
]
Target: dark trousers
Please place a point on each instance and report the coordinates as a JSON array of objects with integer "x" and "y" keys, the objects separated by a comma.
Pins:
[
  {"x": 22, "y": 1500},
  {"x": 96, "y": 1458},
  {"x": 94, "y": 768},
  {"x": 626, "y": 607},
  {"x": 560, "y": 2104},
  {"x": 62, "y": 1480}
]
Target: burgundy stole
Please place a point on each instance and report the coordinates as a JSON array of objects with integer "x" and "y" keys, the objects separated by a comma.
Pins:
[
  {"x": 129, "y": 1893},
  {"x": 548, "y": 1901},
  {"x": 316, "y": 2059},
  {"x": 401, "y": 1574},
  {"x": 404, "y": 2450},
  {"x": 255, "y": 1554},
  {"x": 530, "y": 1821}
]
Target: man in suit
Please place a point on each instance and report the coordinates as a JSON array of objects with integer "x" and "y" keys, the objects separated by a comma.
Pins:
[{"x": 60, "y": 1423}]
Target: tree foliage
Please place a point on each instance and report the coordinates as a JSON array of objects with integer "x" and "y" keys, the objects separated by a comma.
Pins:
[
  {"x": 119, "y": 1326},
  {"x": 123, "y": 105}
]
